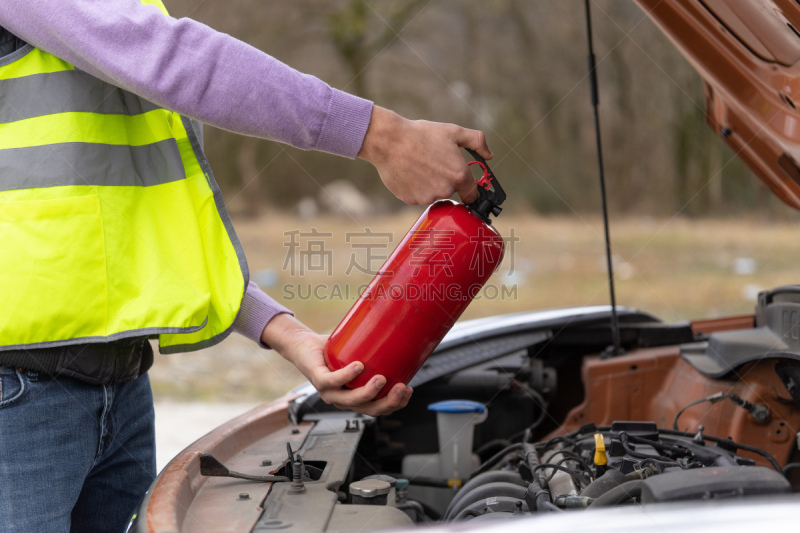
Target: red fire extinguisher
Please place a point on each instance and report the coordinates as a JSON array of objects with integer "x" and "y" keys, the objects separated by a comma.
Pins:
[{"x": 424, "y": 286}]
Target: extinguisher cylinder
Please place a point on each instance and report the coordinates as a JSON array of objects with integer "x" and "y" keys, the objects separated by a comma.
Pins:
[{"x": 416, "y": 297}]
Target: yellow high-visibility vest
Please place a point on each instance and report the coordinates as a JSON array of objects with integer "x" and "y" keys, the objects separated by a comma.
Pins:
[{"x": 111, "y": 223}]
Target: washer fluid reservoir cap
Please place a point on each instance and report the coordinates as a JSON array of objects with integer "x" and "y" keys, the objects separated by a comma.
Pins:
[
  {"x": 369, "y": 488},
  {"x": 381, "y": 477},
  {"x": 457, "y": 406}
]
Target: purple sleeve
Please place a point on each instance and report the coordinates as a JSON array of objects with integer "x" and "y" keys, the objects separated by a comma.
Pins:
[
  {"x": 187, "y": 67},
  {"x": 256, "y": 312}
]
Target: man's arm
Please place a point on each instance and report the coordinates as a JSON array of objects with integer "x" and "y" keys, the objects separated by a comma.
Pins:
[
  {"x": 190, "y": 68},
  {"x": 187, "y": 67}
]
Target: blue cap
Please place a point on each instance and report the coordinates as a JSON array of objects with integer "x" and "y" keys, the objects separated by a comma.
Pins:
[{"x": 457, "y": 406}]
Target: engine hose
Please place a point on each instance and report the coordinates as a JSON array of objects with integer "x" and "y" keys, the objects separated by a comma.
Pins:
[
  {"x": 788, "y": 468},
  {"x": 538, "y": 499},
  {"x": 430, "y": 511},
  {"x": 499, "y": 504},
  {"x": 550, "y": 507},
  {"x": 494, "y": 476},
  {"x": 496, "y": 458},
  {"x": 490, "y": 448},
  {"x": 612, "y": 478},
  {"x": 538, "y": 401},
  {"x": 487, "y": 491},
  {"x": 619, "y": 494},
  {"x": 424, "y": 511},
  {"x": 573, "y": 502},
  {"x": 530, "y": 454},
  {"x": 419, "y": 511},
  {"x": 727, "y": 442},
  {"x": 661, "y": 459}
]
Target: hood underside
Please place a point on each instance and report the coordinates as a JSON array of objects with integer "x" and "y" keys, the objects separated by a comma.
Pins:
[{"x": 748, "y": 55}]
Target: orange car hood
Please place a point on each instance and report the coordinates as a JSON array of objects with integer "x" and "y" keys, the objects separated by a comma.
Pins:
[{"x": 748, "y": 54}]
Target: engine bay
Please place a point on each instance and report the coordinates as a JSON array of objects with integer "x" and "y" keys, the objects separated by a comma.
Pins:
[
  {"x": 531, "y": 416},
  {"x": 518, "y": 416}
]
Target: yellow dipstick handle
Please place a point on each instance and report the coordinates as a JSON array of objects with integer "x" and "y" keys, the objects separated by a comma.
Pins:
[{"x": 600, "y": 458}]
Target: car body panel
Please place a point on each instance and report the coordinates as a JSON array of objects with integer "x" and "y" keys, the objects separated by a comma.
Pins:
[{"x": 747, "y": 55}]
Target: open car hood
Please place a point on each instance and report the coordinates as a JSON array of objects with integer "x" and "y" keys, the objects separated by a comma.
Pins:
[{"x": 748, "y": 55}]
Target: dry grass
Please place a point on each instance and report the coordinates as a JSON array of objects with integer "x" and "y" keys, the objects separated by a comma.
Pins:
[{"x": 676, "y": 269}]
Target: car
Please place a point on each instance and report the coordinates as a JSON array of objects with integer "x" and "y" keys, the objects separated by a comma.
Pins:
[{"x": 529, "y": 420}]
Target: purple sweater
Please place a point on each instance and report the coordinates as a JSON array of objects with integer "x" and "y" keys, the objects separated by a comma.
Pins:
[{"x": 190, "y": 68}]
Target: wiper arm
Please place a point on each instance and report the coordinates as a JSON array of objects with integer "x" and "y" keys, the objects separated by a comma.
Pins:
[{"x": 210, "y": 466}]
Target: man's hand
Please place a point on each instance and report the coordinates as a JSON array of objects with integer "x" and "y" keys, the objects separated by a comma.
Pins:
[
  {"x": 303, "y": 348},
  {"x": 420, "y": 161}
]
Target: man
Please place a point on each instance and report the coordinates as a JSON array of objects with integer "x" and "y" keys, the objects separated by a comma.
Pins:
[{"x": 114, "y": 232}]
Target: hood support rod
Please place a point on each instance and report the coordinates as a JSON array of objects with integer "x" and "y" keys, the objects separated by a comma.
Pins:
[{"x": 595, "y": 105}]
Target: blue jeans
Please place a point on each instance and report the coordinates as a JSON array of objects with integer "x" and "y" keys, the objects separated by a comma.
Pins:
[{"x": 73, "y": 457}]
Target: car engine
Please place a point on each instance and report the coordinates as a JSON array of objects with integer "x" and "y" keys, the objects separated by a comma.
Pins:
[
  {"x": 517, "y": 416},
  {"x": 531, "y": 416}
]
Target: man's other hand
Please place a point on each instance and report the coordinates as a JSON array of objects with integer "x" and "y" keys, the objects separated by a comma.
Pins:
[{"x": 304, "y": 349}]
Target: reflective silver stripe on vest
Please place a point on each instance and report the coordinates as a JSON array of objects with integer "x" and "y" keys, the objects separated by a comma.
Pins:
[
  {"x": 67, "y": 91},
  {"x": 90, "y": 164}
]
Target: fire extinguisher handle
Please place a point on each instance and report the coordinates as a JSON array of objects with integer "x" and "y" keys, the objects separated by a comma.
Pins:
[
  {"x": 489, "y": 199},
  {"x": 477, "y": 157}
]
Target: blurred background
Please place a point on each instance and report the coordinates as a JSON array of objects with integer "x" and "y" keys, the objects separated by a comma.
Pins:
[
  {"x": 694, "y": 233},
  {"x": 515, "y": 69}
]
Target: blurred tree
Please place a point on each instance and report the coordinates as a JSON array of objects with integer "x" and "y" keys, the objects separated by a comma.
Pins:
[{"x": 350, "y": 26}]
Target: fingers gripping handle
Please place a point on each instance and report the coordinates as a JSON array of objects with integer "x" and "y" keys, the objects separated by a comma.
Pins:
[{"x": 490, "y": 192}]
